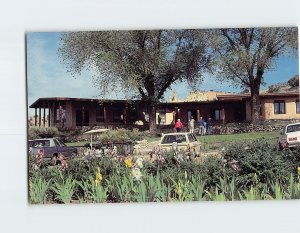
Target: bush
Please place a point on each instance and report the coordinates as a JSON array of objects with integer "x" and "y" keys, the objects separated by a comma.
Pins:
[
  {"x": 120, "y": 135},
  {"x": 71, "y": 135},
  {"x": 259, "y": 159},
  {"x": 42, "y": 132},
  {"x": 294, "y": 81},
  {"x": 211, "y": 171}
]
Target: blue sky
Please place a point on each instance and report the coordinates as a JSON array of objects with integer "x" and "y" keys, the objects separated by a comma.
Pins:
[{"x": 48, "y": 77}]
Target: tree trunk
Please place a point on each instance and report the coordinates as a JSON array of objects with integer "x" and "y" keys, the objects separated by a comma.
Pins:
[
  {"x": 255, "y": 102},
  {"x": 152, "y": 118}
]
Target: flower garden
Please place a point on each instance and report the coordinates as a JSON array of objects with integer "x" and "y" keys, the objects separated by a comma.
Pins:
[{"x": 254, "y": 170}]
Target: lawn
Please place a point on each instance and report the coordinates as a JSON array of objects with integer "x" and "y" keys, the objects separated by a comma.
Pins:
[
  {"x": 81, "y": 143},
  {"x": 214, "y": 142}
]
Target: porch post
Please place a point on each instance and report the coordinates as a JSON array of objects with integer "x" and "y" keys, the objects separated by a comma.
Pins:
[
  {"x": 53, "y": 114},
  {"x": 40, "y": 116},
  {"x": 198, "y": 114},
  {"x": 173, "y": 121},
  {"x": 59, "y": 116},
  {"x": 104, "y": 114},
  {"x": 44, "y": 119},
  {"x": 125, "y": 115},
  {"x": 35, "y": 117},
  {"x": 49, "y": 118},
  {"x": 223, "y": 115}
]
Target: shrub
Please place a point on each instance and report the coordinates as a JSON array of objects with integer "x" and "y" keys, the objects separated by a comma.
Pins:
[
  {"x": 260, "y": 159},
  {"x": 294, "y": 81},
  {"x": 120, "y": 135},
  {"x": 210, "y": 171},
  {"x": 42, "y": 132}
]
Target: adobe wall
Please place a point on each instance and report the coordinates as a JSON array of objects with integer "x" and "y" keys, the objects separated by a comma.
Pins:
[{"x": 290, "y": 107}]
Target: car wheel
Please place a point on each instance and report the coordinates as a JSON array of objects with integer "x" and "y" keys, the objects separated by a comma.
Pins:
[{"x": 54, "y": 160}]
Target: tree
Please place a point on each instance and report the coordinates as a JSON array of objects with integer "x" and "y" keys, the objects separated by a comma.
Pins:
[
  {"x": 143, "y": 63},
  {"x": 294, "y": 81},
  {"x": 245, "y": 54}
]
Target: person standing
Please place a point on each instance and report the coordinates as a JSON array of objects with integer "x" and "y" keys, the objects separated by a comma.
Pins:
[
  {"x": 192, "y": 125},
  {"x": 158, "y": 119},
  {"x": 202, "y": 125},
  {"x": 178, "y": 125}
]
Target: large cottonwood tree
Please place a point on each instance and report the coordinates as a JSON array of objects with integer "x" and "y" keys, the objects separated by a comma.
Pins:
[
  {"x": 244, "y": 55},
  {"x": 142, "y": 63}
]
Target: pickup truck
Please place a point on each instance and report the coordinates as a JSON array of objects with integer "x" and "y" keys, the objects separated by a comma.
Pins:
[{"x": 51, "y": 147}]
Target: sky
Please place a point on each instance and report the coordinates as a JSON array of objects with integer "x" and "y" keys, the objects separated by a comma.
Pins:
[{"x": 47, "y": 76}]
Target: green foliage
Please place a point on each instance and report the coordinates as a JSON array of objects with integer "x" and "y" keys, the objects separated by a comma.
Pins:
[
  {"x": 120, "y": 135},
  {"x": 211, "y": 170},
  {"x": 64, "y": 189},
  {"x": 276, "y": 87},
  {"x": 42, "y": 132},
  {"x": 261, "y": 158},
  {"x": 92, "y": 191},
  {"x": 294, "y": 81},
  {"x": 262, "y": 173},
  {"x": 237, "y": 49},
  {"x": 38, "y": 187}
]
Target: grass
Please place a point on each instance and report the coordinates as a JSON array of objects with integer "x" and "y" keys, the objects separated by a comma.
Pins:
[
  {"x": 214, "y": 142},
  {"x": 81, "y": 143}
]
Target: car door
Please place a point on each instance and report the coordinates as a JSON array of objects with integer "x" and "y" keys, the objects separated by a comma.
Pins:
[{"x": 62, "y": 148}]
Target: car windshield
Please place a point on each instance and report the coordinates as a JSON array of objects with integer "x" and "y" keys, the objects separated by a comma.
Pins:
[
  {"x": 180, "y": 138},
  {"x": 61, "y": 143},
  {"x": 293, "y": 128},
  {"x": 192, "y": 138},
  {"x": 39, "y": 143}
]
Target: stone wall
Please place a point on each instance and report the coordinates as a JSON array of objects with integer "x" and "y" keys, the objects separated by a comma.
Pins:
[{"x": 266, "y": 126}]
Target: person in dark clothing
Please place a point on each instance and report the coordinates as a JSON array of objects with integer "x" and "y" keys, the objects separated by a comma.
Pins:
[
  {"x": 209, "y": 126},
  {"x": 202, "y": 126}
]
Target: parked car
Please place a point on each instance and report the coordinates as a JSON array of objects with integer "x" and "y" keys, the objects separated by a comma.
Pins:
[
  {"x": 51, "y": 147},
  {"x": 180, "y": 141},
  {"x": 290, "y": 137}
]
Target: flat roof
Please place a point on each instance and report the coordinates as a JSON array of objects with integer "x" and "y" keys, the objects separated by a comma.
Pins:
[{"x": 43, "y": 102}]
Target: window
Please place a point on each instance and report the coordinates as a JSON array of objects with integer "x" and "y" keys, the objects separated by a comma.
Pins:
[
  {"x": 61, "y": 143},
  {"x": 217, "y": 114},
  {"x": 118, "y": 115},
  {"x": 82, "y": 118},
  {"x": 297, "y": 107},
  {"x": 192, "y": 138},
  {"x": 162, "y": 115},
  {"x": 293, "y": 128},
  {"x": 180, "y": 138},
  {"x": 132, "y": 115},
  {"x": 99, "y": 114},
  {"x": 279, "y": 107},
  {"x": 146, "y": 116},
  {"x": 40, "y": 143}
]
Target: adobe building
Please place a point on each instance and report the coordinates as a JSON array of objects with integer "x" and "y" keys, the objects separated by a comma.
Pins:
[{"x": 220, "y": 107}]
